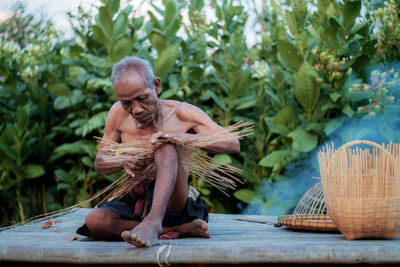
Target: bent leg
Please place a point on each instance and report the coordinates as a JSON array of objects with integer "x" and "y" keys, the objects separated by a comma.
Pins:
[
  {"x": 146, "y": 233},
  {"x": 107, "y": 225}
]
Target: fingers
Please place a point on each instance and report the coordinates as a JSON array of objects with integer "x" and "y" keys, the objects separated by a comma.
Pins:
[
  {"x": 158, "y": 136},
  {"x": 129, "y": 172}
]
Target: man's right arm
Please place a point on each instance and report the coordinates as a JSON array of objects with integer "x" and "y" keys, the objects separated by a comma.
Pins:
[{"x": 111, "y": 133}]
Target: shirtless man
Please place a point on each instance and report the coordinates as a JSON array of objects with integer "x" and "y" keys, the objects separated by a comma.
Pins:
[{"x": 140, "y": 115}]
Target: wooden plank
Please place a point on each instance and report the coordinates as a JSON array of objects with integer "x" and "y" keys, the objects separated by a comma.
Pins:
[{"x": 232, "y": 242}]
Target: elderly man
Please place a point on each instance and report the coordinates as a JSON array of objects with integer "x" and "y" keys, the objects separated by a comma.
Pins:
[{"x": 169, "y": 203}]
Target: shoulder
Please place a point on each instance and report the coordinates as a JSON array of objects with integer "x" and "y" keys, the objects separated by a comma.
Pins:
[
  {"x": 116, "y": 109},
  {"x": 116, "y": 114},
  {"x": 189, "y": 112}
]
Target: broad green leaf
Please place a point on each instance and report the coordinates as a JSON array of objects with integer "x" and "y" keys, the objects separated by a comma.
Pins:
[
  {"x": 77, "y": 147},
  {"x": 306, "y": 88},
  {"x": 120, "y": 25},
  {"x": 96, "y": 122},
  {"x": 335, "y": 96},
  {"x": 170, "y": 12},
  {"x": 121, "y": 48},
  {"x": 173, "y": 27},
  {"x": 246, "y": 103},
  {"x": 96, "y": 83},
  {"x": 87, "y": 161},
  {"x": 285, "y": 116},
  {"x": 159, "y": 10},
  {"x": 348, "y": 111},
  {"x": 351, "y": 48},
  {"x": 245, "y": 195},
  {"x": 59, "y": 89},
  {"x": 276, "y": 158},
  {"x": 219, "y": 101},
  {"x": 332, "y": 125},
  {"x": 100, "y": 35},
  {"x": 105, "y": 20},
  {"x": 9, "y": 151},
  {"x": 6, "y": 181},
  {"x": 196, "y": 5},
  {"x": 32, "y": 171},
  {"x": 224, "y": 158},
  {"x": 96, "y": 61},
  {"x": 274, "y": 127},
  {"x": 154, "y": 21},
  {"x": 113, "y": 5},
  {"x": 127, "y": 10},
  {"x": 137, "y": 23},
  {"x": 300, "y": 11},
  {"x": 351, "y": 11},
  {"x": 158, "y": 40},
  {"x": 166, "y": 60},
  {"x": 291, "y": 23},
  {"x": 62, "y": 175},
  {"x": 77, "y": 72},
  {"x": 303, "y": 141},
  {"x": 290, "y": 54},
  {"x": 64, "y": 186},
  {"x": 23, "y": 115},
  {"x": 62, "y": 102},
  {"x": 322, "y": 6}
]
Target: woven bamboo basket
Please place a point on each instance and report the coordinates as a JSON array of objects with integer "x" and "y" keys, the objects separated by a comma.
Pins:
[
  {"x": 310, "y": 213},
  {"x": 362, "y": 189},
  {"x": 308, "y": 222},
  {"x": 312, "y": 202}
]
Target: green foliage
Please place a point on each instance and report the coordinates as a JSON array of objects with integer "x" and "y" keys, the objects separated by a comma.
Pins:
[{"x": 293, "y": 86}]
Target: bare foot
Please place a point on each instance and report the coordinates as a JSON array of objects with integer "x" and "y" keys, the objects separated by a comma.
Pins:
[
  {"x": 145, "y": 234},
  {"x": 197, "y": 228}
]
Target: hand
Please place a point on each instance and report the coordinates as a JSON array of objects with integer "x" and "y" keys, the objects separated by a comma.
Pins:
[
  {"x": 132, "y": 165},
  {"x": 159, "y": 136}
]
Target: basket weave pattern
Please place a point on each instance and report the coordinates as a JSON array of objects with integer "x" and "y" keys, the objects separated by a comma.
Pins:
[{"x": 362, "y": 189}]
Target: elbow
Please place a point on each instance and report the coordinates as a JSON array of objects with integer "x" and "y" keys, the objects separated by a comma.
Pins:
[
  {"x": 236, "y": 147},
  {"x": 98, "y": 167}
]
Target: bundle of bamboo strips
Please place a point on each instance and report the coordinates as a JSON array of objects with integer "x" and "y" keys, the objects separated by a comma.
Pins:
[
  {"x": 362, "y": 189},
  {"x": 216, "y": 173},
  {"x": 200, "y": 165}
]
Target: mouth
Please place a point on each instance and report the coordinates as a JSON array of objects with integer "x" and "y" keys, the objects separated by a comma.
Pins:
[{"x": 142, "y": 118}]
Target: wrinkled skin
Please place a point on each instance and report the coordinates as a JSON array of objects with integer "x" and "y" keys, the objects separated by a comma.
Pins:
[{"x": 141, "y": 115}]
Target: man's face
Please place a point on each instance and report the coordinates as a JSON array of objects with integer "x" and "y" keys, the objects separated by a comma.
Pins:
[{"x": 138, "y": 100}]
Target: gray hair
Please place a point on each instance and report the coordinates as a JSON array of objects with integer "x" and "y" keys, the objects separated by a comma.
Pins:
[{"x": 133, "y": 63}]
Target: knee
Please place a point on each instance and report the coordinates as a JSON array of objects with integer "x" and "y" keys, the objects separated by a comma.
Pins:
[
  {"x": 98, "y": 221},
  {"x": 166, "y": 152}
]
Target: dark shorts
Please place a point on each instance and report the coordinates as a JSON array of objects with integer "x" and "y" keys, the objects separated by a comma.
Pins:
[{"x": 125, "y": 208}]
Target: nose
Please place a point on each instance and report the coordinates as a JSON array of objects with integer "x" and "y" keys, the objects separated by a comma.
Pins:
[{"x": 136, "y": 108}]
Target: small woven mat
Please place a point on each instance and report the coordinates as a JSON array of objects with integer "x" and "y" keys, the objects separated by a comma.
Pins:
[{"x": 309, "y": 222}]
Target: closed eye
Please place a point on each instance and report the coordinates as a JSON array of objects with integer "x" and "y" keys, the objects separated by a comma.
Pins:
[
  {"x": 141, "y": 97},
  {"x": 125, "y": 103}
]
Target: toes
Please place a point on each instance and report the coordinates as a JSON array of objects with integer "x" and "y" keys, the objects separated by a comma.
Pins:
[{"x": 126, "y": 235}]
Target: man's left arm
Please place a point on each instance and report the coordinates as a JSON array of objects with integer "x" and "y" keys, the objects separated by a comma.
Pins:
[{"x": 203, "y": 125}]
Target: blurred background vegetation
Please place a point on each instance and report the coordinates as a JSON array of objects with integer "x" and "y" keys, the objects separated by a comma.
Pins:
[{"x": 309, "y": 71}]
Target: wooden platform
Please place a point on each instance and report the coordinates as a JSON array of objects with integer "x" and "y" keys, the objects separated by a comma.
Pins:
[{"x": 232, "y": 242}]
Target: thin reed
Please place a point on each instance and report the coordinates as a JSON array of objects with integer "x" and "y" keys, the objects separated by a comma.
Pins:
[
  {"x": 200, "y": 165},
  {"x": 218, "y": 174},
  {"x": 313, "y": 201},
  {"x": 362, "y": 189}
]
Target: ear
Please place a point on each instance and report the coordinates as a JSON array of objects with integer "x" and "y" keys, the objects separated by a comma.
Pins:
[{"x": 157, "y": 85}]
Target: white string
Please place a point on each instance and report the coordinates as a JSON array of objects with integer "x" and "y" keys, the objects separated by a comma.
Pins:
[{"x": 160, "y": 250}]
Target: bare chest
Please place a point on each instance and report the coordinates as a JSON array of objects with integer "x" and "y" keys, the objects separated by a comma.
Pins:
[{"x": 130, "y": 131}]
